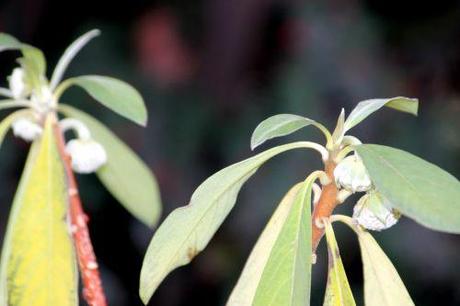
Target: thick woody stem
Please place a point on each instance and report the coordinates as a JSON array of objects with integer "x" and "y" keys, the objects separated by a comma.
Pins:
[
  {"x": 93, "y": 292},
  {"x": 325, "y": 206}
]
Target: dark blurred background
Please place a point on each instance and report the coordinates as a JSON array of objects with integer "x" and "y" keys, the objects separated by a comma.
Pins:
[{"x": 210, "y": 71}]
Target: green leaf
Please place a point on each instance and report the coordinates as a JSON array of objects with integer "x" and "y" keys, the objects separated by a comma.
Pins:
[
  {"x": 417, "y": 188},
  {"x": 117, "y": 95},
  {"x": 338, "y": 291},
  {"x": 34, "y": 61},
  {"x": 125, "y": 175},
  {"x": 38, "y": 264},
  {"x": 187, "y": 230},
  {"x": 68, "y": 56},
  {"x": 287, "y": 274},
  {"x": 382, "y": 284},
  {"x": 339, "y": 132},
  {"x": 276, "y": 126},
  {"x": 8, "y": 42},
  {"x": 367, "y": 107},
  {"x": 245, "y": 289}
]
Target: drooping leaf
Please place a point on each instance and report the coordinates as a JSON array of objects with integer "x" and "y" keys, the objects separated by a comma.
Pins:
[
  {"x": 38, "y": 260},
  {"x": 187, "y": 230},
  {"x": 245, "y": 290},
  {"x": 276, "y": 126},
  {"x": 419, "y": 189},
  {"x": 286, "y": 277},
  {"x": 125, "y": 175},
  {"x": 33, "y": 60},
  {"x": 382, "y": 284},
  {"x": 367, "y": 107},
  {"x": 8, "y": 42},
  {"x": 338, "y": 291},
  {"x": 68, "y": 56},
  {"x": 117, "y": 95}
]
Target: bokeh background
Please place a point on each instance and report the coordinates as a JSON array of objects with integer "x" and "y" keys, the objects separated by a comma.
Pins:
[{"x": 210, "y": 71}]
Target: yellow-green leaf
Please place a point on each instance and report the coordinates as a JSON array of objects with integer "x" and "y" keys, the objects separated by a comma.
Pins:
[
  {"x": 382, "y": 284},
  {"x": 338, "y": 291},
  {"x": 38, "y": 259},
  {"x": 245, "y": 289}
]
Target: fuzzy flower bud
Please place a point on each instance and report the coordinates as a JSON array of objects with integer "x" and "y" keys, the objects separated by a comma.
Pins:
[
  {"x": 17, "y": 83},
  {"x": 26, "y": 129},
  {"x": 351, "y": 174},
  {"x": 87, "y": 155},
  {"x": 374, "y": 212}
]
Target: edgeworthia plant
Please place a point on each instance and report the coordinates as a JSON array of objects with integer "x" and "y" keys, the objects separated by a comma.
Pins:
[
  {"x": 278, "y": 271},
  {"x": 47, "y": 232}
]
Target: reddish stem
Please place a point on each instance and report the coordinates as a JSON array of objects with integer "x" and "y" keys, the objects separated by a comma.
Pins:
[
  {"x": 325, "y": 206},
  {"x": 93, "y": 292}
]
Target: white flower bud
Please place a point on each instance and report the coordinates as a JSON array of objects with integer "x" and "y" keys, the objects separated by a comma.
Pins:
[
  {"x": 374, "y": 212},
  {"x": 87, "y": 155},
  {"x": 351, "y": 174},
  {"x": 26, "y": 129},
  {"x": 17, "y": 83}
]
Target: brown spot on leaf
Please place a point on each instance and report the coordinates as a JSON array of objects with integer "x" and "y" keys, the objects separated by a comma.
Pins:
[{"x": 191, "y": 252}]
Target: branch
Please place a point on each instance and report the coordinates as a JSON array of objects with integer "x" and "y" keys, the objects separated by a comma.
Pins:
[
  {"x": 325, "y": 206},
  {"x": 93, "y": 292}
]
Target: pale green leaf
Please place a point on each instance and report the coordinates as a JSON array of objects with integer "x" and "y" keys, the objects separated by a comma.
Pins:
[
  {"x": 117, "y": 95},
  {"x": 245, "y": 289},
  {"x": 68, "y": 56},
  {"x": 338, "y": 291},
  {"x": 38, "y": 264},
  {"x": 339, "y": 132},
  {"x": 8, "y": 42},
  {"x": 367, "y": 107},
  {"x": 187, "y": 230},
  {"x": 419, "y": 189},
  {"x": 382, "y": 284},
  {"x": 276, "y": 126},
  {"x": 286, "y": 277},
  {"x": 34, "y": 61},
  {"x": 125, "y": 175}
]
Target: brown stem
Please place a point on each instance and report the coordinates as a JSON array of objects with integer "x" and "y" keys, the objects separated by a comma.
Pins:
[
  {"x": 93, "y": 292},
  {"x": 325, "y": 206}
]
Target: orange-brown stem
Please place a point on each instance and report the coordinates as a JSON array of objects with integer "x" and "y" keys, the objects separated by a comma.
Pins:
[
  {"x": 325, "y": 206},
  {"x": 93, "y": 292}
]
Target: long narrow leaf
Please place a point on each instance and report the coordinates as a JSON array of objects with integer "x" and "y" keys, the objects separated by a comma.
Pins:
[
  {"x": 187, "y": 230},
  {"x": 125, "y": 175},
  {"x": 338, "y": 291},
  {"x": 287, "y": 275},
  {"x": 68, "y": 56},
  {"x": 382, "y": 284},
  {"x": 245, "y": 290},
  {"x": 38, "y": 259},
  {"x": 367, "y": 107}
]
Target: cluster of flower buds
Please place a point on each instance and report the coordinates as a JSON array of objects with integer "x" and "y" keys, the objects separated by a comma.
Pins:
[
  {"x": 86, "y": 154},
  {"x": 372, "y": 211},
  {"x": 18, "y": 85}
]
